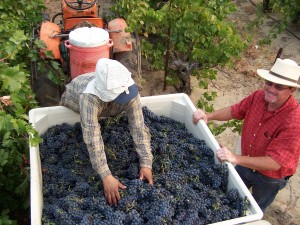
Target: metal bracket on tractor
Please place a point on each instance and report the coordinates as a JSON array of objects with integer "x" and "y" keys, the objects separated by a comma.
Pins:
[{"x": 77, "y": 14}]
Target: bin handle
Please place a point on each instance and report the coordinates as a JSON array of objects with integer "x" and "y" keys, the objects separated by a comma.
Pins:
[
  {"x": 110, "y": 43},
  {"x": 67, "y": 44}
]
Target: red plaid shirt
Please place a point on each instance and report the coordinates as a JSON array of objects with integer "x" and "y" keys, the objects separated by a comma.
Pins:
[{"x": 275, "y": 134}]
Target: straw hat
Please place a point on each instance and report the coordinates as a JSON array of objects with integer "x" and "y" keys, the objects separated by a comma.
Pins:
[
  {"x": 112, "y": 81},
  {"x": 284, "y": 71}
]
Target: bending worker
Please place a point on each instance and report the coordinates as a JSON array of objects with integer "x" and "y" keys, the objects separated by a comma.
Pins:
[
  {"x": 270, "y": 133},
  {"x": 109, "y": 91}
]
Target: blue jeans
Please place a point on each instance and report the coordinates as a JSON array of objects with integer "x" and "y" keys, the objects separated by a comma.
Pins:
[{"x": 264, "y": 189}]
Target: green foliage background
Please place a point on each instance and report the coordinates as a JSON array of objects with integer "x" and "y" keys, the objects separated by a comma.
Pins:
[
  {"x": 199, "y": 30},
  {"x": 17, "y": 21}
]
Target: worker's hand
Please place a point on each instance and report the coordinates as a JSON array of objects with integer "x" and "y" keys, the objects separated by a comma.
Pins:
[
  {"x": 223, "y": 154},
  {"x": 111, "y": 189},
  {"x": 198, "y": 115},
  {"x": 146, "y": 173}
]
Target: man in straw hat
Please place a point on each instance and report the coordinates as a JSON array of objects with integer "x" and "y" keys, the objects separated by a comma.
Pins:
[
  {"x": 109, "y": 91},
  {"x": 270, "y": 134}
]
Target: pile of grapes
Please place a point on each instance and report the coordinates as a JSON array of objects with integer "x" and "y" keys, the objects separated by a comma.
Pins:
[{"x": 189, "y": 188}]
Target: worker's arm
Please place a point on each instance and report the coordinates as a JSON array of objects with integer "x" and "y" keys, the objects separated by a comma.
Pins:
[
  {"x": 140, "y": 133},
  {"x": 90, "y": 108},
  {"x": 141, "y": 137},
  {"x": 92, "y": 137},
  {"x": 256, "y": 163},
  {"x": 220, "y": 115}
]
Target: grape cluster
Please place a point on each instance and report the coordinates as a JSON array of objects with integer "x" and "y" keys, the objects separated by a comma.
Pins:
[{"x": 189, "y": 188}]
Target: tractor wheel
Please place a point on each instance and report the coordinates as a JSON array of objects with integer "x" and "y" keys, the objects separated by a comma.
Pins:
[
  {"x": 47, "y": 93},
  {"x": 132, "y": 60}
]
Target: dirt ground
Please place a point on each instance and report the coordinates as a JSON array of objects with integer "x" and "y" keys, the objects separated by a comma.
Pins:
[{"x": 234, "y": 84}]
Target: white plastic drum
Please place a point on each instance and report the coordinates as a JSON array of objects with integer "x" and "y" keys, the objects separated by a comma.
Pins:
[
  {"x": 88, "y": 37},
  {"x": 86, "y": 46}
]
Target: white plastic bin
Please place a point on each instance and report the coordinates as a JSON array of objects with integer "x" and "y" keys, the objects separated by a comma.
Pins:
[{"x": 176, "y": 106}]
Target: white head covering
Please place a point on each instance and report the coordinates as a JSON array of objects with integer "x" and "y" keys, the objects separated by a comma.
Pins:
[
  {"x": 111, "y": 80},
  {"x": 284, "y": 71}
]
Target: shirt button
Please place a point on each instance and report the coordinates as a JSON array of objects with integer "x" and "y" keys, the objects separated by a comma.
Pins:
[
  {"x": 254, "y": 135},
  {"x": 259, "y": 124},
  {"x": 250, "y": 146}
]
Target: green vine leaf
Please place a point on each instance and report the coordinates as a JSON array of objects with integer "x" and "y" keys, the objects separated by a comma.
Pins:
[{"x": 13, "y": 78}]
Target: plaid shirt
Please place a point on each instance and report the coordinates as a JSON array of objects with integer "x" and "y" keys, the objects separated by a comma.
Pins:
[
  {"x": 275, "y": 134},
  {"x": 91, "y": 108}
]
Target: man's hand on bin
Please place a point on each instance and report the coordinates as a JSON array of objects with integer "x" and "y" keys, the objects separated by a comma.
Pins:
[
  {"x": 224, "y": 154},
  {"x": 198, "y": 115}
]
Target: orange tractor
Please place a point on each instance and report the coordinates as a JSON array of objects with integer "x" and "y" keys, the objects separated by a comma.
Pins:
[{"x": 77, "y": 17}]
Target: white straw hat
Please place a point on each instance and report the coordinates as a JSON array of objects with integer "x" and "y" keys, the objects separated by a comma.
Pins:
[
  {"x": 284, "y": 71},
  {"x": 111, "y": 80}
]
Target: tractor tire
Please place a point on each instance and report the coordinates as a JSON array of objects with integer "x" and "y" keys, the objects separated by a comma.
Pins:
[
  {"x": 132, "y": 60},
  {"x": 47, "y": 93}
]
